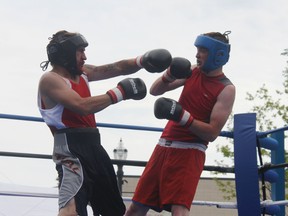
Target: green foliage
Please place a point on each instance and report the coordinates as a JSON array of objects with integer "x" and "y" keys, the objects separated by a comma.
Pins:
[
  {"x": 227, "y": 188},
  {"x": 226, "y": 150},
  {"x": 271, "y": 108}
]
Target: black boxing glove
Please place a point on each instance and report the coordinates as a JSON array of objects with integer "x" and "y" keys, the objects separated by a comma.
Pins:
[
  {"x": 180, "y": 68},
  {"x": 165, "y": 108},
  {"x": 129, "y": 88},
  {"x": 156, "y": 60}
]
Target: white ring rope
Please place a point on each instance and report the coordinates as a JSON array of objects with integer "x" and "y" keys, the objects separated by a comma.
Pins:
[
  {"x": 224, "y": 205},
  {"x": 28, "y": 194}
]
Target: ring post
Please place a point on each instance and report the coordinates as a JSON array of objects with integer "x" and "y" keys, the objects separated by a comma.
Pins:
[
  {"x": 278, "y": 157},
  {"x": 246, "y": 170}
]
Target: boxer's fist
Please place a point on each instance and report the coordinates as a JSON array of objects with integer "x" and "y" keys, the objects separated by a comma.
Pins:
[
  {"x": 180, "y": 68},
  {"x": 155, "y": 60},
  {"x": 165, "y": 108},
  {"x": 129, "y": 88}
]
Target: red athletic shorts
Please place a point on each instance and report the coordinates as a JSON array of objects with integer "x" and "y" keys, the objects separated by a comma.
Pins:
[{"x": 170, "y": 178}]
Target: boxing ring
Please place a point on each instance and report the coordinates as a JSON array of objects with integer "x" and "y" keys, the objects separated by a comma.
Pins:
[{"x": 248, "y": 167}]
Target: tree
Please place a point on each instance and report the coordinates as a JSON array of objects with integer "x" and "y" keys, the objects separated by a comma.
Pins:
[{"x": 272, "y": 111}]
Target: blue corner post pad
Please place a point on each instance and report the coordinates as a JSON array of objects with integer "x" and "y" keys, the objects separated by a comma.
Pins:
[{"x": 246, "y": 168}]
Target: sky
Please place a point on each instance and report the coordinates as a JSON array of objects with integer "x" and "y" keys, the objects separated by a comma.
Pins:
[{"x": 119, "y": 30}]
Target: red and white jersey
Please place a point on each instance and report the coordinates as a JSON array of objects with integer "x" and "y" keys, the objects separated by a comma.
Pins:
[
  {"x": 198, "y": 97},
  {"x": 59, "y": 117}
]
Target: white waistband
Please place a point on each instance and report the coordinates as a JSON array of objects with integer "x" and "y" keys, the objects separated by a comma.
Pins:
[{"x": 182, "y": 145}]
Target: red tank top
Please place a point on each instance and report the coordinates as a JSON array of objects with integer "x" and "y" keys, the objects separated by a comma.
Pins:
[
  {"x": 72, "y": 119},
  {"x": 60, "y": 117},
  {"x": 198, "y": 97}
]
